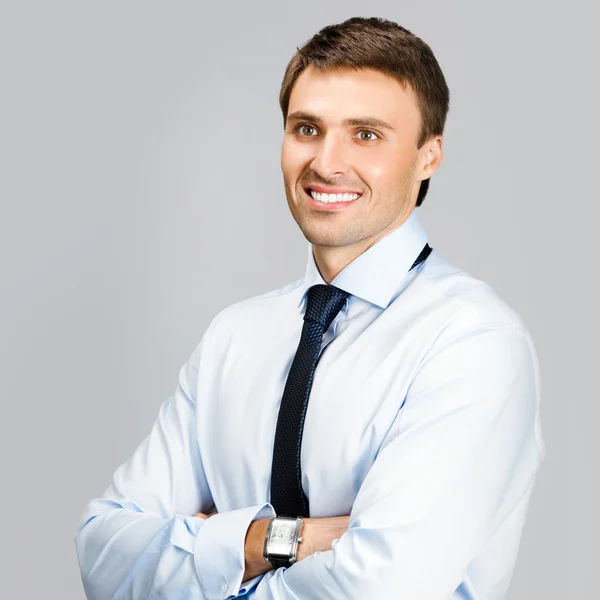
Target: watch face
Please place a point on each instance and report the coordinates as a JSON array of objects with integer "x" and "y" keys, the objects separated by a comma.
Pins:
[{"x": 282, "y": 535}]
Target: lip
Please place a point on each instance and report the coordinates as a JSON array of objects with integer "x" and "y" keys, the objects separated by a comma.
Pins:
[
  {"x": 328, "y": 206},
  {"x": 321, "y": 190}
]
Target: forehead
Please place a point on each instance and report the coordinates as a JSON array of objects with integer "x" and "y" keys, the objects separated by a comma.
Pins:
[{"x": 334, "y": 95}]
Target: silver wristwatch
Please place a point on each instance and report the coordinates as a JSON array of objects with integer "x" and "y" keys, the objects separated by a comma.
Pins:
[{"x": 281, "y": 541}]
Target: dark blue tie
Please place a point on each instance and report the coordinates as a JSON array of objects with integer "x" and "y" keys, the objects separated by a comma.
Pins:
[{"x": 324, "y": 302}]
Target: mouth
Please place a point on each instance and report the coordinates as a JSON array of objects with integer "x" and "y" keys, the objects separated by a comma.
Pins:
[{"x": 330, "y": 201}]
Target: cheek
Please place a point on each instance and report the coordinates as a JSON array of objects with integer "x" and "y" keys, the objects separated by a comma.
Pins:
[
  {"x": 384, "y": 169},
  {"x": 376, "y": 169},
  {"x": 293, "y": 156}
]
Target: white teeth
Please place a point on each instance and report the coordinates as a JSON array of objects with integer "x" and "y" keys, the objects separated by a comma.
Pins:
[{"x": 333, "y": 197}]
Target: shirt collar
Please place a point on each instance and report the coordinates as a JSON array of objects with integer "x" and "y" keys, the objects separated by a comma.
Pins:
[{"x": 376, "y": 274}]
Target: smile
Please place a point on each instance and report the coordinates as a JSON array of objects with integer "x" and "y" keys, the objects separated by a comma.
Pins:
[
  {"x": 330, "y": 198},
  {"x": 329, "y": 202}
]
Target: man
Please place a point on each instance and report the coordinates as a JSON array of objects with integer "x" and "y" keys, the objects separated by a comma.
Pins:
[{"x": 403, "y": 464}]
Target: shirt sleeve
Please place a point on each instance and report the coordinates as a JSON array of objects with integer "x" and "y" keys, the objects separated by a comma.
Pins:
[
  {"x": 138, "y": 540},
  {"x": 464, "y": 449}
]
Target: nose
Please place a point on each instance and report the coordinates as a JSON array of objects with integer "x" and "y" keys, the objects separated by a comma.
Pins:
[{"x": 330, "y": 158}]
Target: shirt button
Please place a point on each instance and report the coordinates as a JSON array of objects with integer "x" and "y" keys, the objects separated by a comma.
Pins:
[{"x": 224, "y": 589}]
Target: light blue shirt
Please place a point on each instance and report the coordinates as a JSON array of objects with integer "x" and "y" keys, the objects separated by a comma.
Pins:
[{"x": 423, "y": 425}]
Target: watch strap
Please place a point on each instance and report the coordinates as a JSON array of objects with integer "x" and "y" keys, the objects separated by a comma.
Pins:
[{"x": 280, "y": 562}]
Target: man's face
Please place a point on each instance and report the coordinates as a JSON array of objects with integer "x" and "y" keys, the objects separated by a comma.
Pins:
[{"x": 321, "y": 150}]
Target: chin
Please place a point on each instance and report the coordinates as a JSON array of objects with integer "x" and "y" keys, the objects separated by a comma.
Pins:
[{"x": 326, "y": 238}]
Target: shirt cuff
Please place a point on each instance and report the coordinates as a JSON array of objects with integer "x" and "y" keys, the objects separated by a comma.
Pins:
[{"x": 219, "y": 551}]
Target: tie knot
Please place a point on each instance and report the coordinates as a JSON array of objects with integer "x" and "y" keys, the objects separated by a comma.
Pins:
[{"x": 324, "y": 302}]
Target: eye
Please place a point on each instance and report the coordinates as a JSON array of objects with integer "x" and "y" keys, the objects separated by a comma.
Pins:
[
  {"x": 370, "y": 132},
  {"x": 302, "y": 126}
]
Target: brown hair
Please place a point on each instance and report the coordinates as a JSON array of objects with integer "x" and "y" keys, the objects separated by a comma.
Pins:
[{"x": 376, "y": 43}]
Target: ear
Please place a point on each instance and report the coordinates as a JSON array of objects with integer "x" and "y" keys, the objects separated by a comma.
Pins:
[{"x": 430, "y": 157}]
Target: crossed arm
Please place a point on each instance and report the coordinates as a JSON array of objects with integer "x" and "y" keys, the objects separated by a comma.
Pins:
[
  {"x": 317, "y": 535},
  {"x": 461, "y": 454}
]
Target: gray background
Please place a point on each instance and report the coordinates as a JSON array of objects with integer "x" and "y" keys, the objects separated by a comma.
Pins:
[{"x": 141, "y": 193}]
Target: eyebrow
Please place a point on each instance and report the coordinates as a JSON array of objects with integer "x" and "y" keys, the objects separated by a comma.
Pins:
[{"x": 301, "y": 115}]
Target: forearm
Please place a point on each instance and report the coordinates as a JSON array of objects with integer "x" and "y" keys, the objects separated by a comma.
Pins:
[
  {"x": 317, "y": 535},
  {"x": 255, "y": 564}
]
